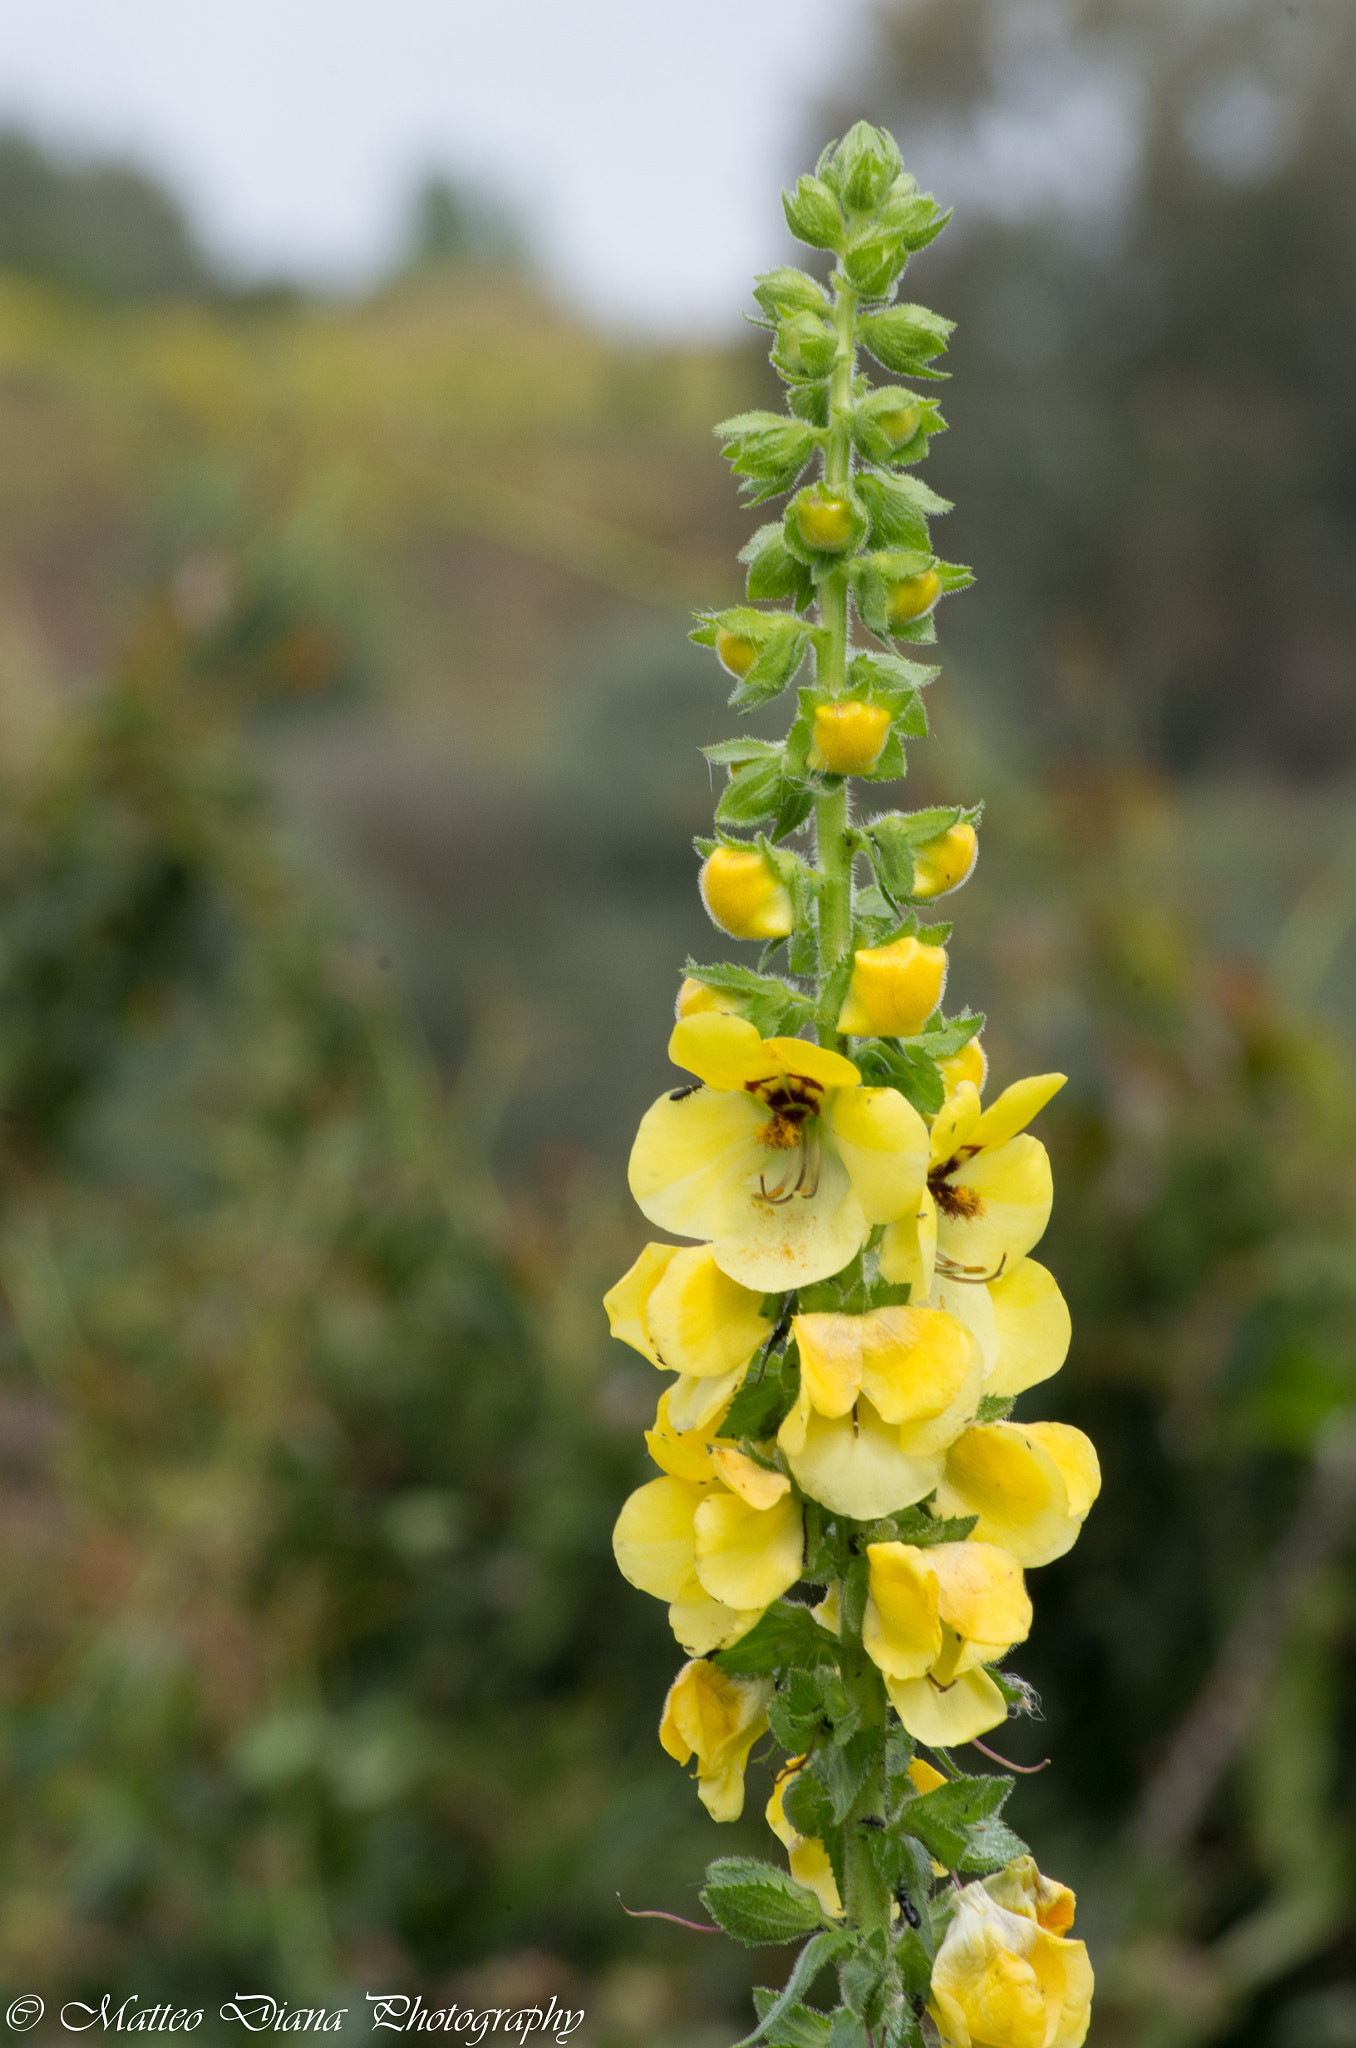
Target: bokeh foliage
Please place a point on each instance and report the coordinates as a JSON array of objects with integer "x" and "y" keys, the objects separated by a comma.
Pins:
[{"x": 349, "y": 738}]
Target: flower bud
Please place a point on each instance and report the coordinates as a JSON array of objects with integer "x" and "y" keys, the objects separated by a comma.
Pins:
[
  {"x": 900, "y": 426},
  {"x": 813, "y": 214},
  {"x": 894, "y": 989},
  {"x": 696, "y": 996},
  {"x": 849, "y": 737},
  {"x": 971, "y": 1064},
  {"x": 735, "y": 651},
  {"x": 744, "y": 895},
  {"x": 825, "y": 521},
  {"x": 912, "y": 597},
  {"x": 865, "y": 165},
  {"x": 944, "y": 863},
  {"x": 806, "y": 346}
]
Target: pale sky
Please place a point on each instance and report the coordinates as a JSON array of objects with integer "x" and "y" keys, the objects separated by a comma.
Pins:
[{"x": 649, "y": 141}]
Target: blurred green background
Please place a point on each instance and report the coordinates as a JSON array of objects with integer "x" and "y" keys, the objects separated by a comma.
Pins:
[{"x": 347, "y": 778}]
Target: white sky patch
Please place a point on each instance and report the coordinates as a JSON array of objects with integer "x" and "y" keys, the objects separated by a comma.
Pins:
[{"x": 647, "y": 143}]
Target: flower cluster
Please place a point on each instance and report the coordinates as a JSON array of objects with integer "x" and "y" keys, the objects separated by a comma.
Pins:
[{"x": 845, "y": 1509}]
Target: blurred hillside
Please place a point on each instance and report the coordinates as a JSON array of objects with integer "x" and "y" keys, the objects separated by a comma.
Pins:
[{"x": 348, "y": 732}]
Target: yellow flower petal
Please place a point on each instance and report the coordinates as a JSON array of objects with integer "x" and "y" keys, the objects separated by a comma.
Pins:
[
  {"x": 702, "y": 1624},
  {"x": 830, "y": 1360},
  {"x": 908, "y": 1250},
  {"x": 982, "y": 1594},
  {"x": 942, "y": 1716},
  {"x": 894, "y": 989},
  {"x": 954, "y": 1122},
  {"x": 654, "y": 1542},
  {"x": 693, "y": 1403},
  {"x": 695, "y": 996},
  {"x": 829, "y": 1613},
  {"x": 1001, "y": 1981},
  {"x": 1032, "y": 1324},
  {"x": 694, "y": 1152},
  {"x": 923, "y": 1777},
  {"x": 1001, "y": 1472},
  {"x": 943, "y": 863},
  {"x": 884, "y": 1144},
  {"x": 752, "y": 1482},
  {"x": 806, "y": 1854},
  {"x": 972, "y": 1305},
  {"x": 1021, "y": 1888},
  {"x": 933, "y": 1433},
  {"x": 855, "y": 1466},
  {"x": 682, "y": 1453},
  {"x": 748, "y": 1556},
  {"x": 774, "y": 1246},
  {"x": 1014, "y": 1109},
  {"x": 625, "y": 1303},
  {"x": 971, "y": 1064},
  {"x": 722, "y": 1050},
  {"x": 991, "y": 1210},
  {"x": 915, "y": 1362},
  {"x": 701, "y": 1322},
  {"x": 901, "y": 1628},
  {"x": 1076, "y": 1457}
]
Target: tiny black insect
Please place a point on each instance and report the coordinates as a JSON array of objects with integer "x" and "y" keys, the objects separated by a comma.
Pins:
[
  {"x": 677, "y": 1094},
  {"x": 908, "y": 1908}
]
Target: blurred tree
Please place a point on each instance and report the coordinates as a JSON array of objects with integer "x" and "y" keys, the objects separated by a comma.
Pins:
[
  {"x": 105, "y": 228},
  {"x": 454, "y": 225},
  {"x": 1154, "y": 272}
]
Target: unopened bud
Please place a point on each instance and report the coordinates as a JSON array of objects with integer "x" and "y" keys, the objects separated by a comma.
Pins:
[
  {"x": 849, "y": 737},
  {"x": 735, "y": 651},
  {"x": 813, "y": 215},
  {"x": 901, "y": 426},
  {"x": 943, "y": 863},
  {"x": 826, "y": 522},
  {"x": 695, "y": 996},
  {"x": 912, "y": 597},
  {"x": 806, "y": 346},
  {"x": 744, "y": 895},
  {"x": 894, "y": 989},
  {"x": 971, "y": 1064}
]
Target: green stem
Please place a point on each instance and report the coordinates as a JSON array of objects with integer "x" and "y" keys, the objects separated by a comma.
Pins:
[
  {"x": 832, "y": 813},
  {"x": 866, "y": 1901}
]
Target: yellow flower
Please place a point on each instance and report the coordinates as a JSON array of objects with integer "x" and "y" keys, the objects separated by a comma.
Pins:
[
  {"x": 719, "y": 1550},
  {"x": 990, "y": 1187},
  {"x": 934, "y": 1617},
  {"x": 781, "y": 1158},
  {"x": 849, "y": 737},
  {"x": 680, "y": 1311},
  {"x": 894, "y": 989},
  {"x": 717, "y": 1719},
  {"x": 1001, "y": 1981},
  {"x": 1030, "y": 1483},
  {"x": 744, "y": 895},
  {"x": 881, "y": 1396},
  {"x": 943, "y": 863},
  {"x": 806, "y": 1854},
  {"x": 911, "y": 596}
]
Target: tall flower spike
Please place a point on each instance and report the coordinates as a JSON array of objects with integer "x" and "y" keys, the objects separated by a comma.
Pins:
[{"x": 844, "y": 1508}]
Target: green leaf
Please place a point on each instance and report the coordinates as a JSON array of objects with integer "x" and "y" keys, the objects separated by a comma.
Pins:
[
  {"x": 954, "y": 576},
  {"x": 809, "y": 1703},
  {"x": 945, "y": 1820},
  {"x": 819, "y": 1951},
  {"x": 774, "y": 572},
  {"x": 768, "y": 450},
  {"x": 758, "y": 1904},
  {"x": 993, "y": 1408},
  {"x": 771, "y": 1005},
  {"x": 850, "y": 1769},
  {"x": 873, "y": 259},
  {"x": 913, "y": 1074},
  {"x": 752, "y": 794},
  {"x": 801, "y": 2026},
  {"x": 884, "y": 678},
  {"x": 764, "y": 1401},
  {"x": 807, "y": 1805},
  {"x": 734, "y": 753},
  {"x": 900, "y": 508},
  {"x": 787, "y": 1636},
  {"x": 915, "y": 1525},
  {"x": 806, "y": 348}
]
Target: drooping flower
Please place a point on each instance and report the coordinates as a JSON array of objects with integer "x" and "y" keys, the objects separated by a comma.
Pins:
[
  {"x": 1022, "y": 1888},
  {"x": 806, "y": 1855},
  {"x": 881, "y": 1396},
  {"x": 1001, "y": 1980},
  {"x": 1030, "y": 1483},
  {"x": 779, "y": 1156},
  {"x": 719, "y": 1550},
  {"x": 934, "y": 1618},
  {"x": 744, "y": 894},
  {"x": 717, "y": 1719}
]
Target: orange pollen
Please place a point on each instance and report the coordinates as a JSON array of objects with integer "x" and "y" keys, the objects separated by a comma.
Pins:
[{"x": 961, "y": 1203}]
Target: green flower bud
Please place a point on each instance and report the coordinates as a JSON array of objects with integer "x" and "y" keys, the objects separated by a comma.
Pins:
[
  {"x": 735, "y": 652},
  {"x": 813, "y": 214},
  {"x": 784, "y": 292},
  {"x": 911, "y": 597},
  {"x": 873, "y": 260},
  {"x": 885, "y": 421},
  {"x": 864, "y": 166},
  {"x": 806, "y": 347}
]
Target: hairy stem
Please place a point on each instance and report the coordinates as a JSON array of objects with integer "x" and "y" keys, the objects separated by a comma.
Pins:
[{"x": 832, "y": 815}]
